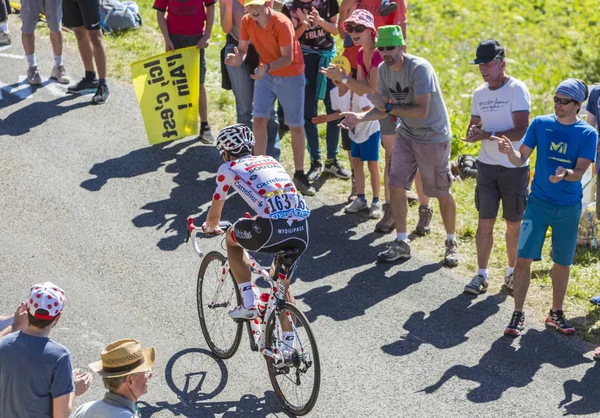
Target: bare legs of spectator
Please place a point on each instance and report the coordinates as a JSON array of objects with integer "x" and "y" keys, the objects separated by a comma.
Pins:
[
  {"x": 298, "y": 146},
  {"x": 203, "y": 110},
  {"x": 560, "y": 281},
  {"x": 91, "y": 49},
  {"x": 399, "y": 207}
]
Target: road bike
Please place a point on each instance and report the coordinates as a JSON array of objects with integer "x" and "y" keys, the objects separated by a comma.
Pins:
[{"x": 293, "y": 363}]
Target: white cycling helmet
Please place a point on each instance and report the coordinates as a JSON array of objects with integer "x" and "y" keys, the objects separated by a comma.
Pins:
[{"x": 236, "y": 139}]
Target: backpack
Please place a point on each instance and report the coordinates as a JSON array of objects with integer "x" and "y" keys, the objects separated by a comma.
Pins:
[
  {"x": 118, "y": 17},
  {"x": 467, "y": 166}
]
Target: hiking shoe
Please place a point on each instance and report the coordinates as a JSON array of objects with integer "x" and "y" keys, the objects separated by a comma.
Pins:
[
  {"x": 517, "y": 324},
  {"x": 206, "y": 136},
  {"x": 84, "y": 86},
  {"x": 59, "y": 73},
  {"x": 386, "y": 224},
  {"x": 396, "y": 249},
  {"x": 557, "y": 320},
  {"x": 316, "y": 168},
  {"x": 334, "y": 167},
  {"x": 241, "y": 312},
  {"x": 33, "y": 76},
  {"x": 101, "y": 95},
  {"x": 477, "y": 285},
  {"x": 509, "y": 281},
  {"x": 4, "y": 38},
  {"x": 376, "y": 210},
  {"x": 357, "y": 205},
  {"x": 451, "y": 256},
  {"x": 387, "y": 8},
  {"x": 425, "y": 215},
  {"x": 303, "y": 185}
]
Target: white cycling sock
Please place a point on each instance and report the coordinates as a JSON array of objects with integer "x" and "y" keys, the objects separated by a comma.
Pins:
[
  {"x": 401, "y": 236},
  {"x": 451, "y": 237},
  {"x": 57, "y": 60},
  {"x": 31, "y": 60},
  {"x": 510, "y": 270},
  {"x": 483, "y": 272},
  {"x": 247, "y": 294},
  {"x": 288, "y": 339}
]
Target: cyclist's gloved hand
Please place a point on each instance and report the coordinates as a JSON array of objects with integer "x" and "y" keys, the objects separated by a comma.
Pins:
[{"x": 211, "y": 231}]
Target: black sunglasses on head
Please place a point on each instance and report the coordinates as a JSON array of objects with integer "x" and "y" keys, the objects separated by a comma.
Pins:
[
  {"x": 563, "y": 102},
  {"x": 386, "y": 48},
  {"x": 356, "y": 29}
]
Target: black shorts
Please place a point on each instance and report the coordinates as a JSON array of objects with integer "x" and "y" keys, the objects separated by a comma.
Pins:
[
  {"x": 271, "y": 235},
  {"x": 84, "y": 13}
]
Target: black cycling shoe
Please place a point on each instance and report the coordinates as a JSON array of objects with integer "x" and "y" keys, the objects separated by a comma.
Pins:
[
  {"x": 84, "y": 86},
  {"x": 101, "y": 95}
]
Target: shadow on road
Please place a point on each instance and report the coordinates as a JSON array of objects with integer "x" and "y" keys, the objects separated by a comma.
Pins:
[
  {"x": 441, "y": 327},
  {"x": 25, "y": 119},
  {"x": 513, "y": 364},
  {"x": 196, "y": 376},
  {"x": 587, "y": 390}
]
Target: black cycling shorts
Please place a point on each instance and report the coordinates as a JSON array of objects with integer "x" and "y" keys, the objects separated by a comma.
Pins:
[
  {"x": 84, "y": 13},
  {"x": 271, "y": 235}
]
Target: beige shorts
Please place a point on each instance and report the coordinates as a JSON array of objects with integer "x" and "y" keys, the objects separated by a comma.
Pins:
[{"x": 432, "y": 160}]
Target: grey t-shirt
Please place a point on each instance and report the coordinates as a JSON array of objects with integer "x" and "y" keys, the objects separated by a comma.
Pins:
[{"x": 417, "y": 77}]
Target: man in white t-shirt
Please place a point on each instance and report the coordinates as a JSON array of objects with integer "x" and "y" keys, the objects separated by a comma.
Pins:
[{"x": 500, "y": 107}]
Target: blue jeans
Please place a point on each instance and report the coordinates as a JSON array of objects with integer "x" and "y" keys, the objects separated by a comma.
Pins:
[
  {"x": 311, "y": 103},
  {"x": 243, "y": 90}
]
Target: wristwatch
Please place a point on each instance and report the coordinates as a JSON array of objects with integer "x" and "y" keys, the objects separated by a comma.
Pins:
[
  {"x": 388, "y": 107},
  {"x": 345, "y": 80}
]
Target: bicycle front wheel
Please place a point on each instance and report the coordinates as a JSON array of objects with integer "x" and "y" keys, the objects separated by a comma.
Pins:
[
  {"x": 297, "y": 378},
  {"x": 216, "y": 294}
]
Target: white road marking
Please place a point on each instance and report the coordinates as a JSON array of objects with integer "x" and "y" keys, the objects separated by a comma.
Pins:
[
  {"x": 13, "y": 56},
  {"x": 56, "y": 89}
]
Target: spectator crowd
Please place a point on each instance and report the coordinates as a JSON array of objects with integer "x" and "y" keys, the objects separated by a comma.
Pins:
[{"x": 379, "y": 95}]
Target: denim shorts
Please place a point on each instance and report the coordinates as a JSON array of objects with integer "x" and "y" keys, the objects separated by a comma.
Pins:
[
  {"x": 368, "y": 150},
  {"x": 290, "y": 93},
  {"x": 564, "y": 221}
]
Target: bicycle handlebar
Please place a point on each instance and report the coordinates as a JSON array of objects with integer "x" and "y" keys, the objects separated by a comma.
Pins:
[{"x": 194, "y": 230}]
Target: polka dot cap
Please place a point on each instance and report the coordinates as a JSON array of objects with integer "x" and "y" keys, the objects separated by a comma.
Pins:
[{"x": 47, "y": 296}]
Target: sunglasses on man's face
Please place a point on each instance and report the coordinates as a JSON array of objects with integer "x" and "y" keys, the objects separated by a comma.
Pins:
[
  {"x": 563, "y": 102},
  {"x": 385, "y": 48},
  {"x": 356, "y": 29}
]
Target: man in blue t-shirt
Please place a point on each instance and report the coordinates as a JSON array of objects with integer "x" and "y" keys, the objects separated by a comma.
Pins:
[
  {"x": 566, "y": 146},
  {"x": 36, "y": 376}
]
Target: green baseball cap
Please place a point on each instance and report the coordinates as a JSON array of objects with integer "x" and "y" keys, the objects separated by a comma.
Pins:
[{"x": 390, "y": 36}]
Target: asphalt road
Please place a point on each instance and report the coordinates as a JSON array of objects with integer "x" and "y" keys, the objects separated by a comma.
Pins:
[{"x": 87, "y": 204}]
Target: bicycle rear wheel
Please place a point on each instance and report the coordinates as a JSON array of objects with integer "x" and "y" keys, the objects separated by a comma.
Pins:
[
  {"x": 214, "y": 299},
  {"x": 297, "y": 381}
]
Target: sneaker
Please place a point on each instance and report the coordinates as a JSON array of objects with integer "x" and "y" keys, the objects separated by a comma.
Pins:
[
  {"x": 387, "y": 8},
  {"x": 517, "y": 324},
  {"x": 59, "y": 73},
  {"x": 425, "y": 215},
  {"x": 84, "y": 86},
  {"x": 206, "y": 136},
  {"x": 396, "y": 249},
  {"x": 101, "y": 95},
  {"x": 241, "y": 312},
  {"x": 4, "y": 38},
  {"x": 316, "y": 168},
  {"x": 334, "y": 167},
  {"x": 557, "y": 320},
  {"x": 477, "y": 285},
  {"x": 386, "y": 224},
  {"x": 376, "y": 210},
  {"x": 451, "y": 256},
  {"x": 304, "y": 186},
  {"x": 509, "y": 281},
  {"x": 33, "y": 76},
  {"x": 357, "y": 205}
]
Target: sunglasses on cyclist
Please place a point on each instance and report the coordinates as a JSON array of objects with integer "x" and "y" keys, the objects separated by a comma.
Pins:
[
  {"x": 356, "y": 29},
  {"x": 563, "y": 102},
  {"x": 385, "y": 48}
]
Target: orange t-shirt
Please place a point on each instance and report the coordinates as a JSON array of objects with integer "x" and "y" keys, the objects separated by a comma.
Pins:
[{"x": 279, "y": 33}]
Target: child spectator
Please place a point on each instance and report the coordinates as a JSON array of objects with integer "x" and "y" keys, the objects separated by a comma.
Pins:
[
  {"x": 364, "y": 147},
  {"x": 184, "y": 26}
]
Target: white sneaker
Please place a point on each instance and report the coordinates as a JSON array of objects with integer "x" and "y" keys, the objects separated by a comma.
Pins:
[
  {"x": 33, "y": 76},
  {"x": 357, "y": 205},
  {"x": 376, "y": 210},
  {"x": 59, "y": 73},
  {"x": 241, "y": 312}
]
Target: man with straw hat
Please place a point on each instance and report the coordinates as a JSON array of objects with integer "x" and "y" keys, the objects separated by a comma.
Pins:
[
  {"x": 126, "y": 370},
  {"x": 36, "y": 374}
]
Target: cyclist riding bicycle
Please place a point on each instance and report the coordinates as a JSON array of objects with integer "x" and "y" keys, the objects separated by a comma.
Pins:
[{"x": 281, "y": 221}]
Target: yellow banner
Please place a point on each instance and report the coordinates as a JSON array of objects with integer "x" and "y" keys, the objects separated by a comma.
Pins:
[{"x": 167, "y": 88}]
